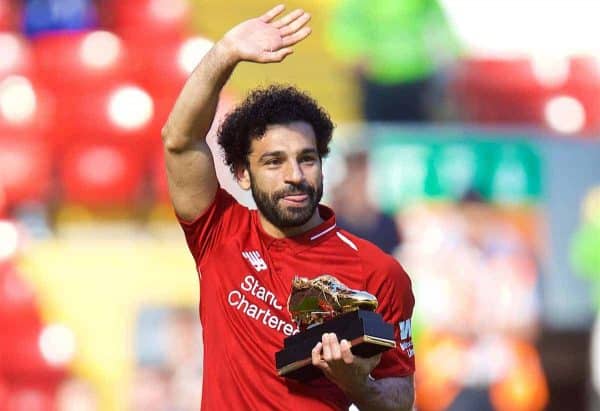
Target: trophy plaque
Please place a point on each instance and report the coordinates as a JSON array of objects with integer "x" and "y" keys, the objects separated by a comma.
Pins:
[{"x": 325, "y": 305}]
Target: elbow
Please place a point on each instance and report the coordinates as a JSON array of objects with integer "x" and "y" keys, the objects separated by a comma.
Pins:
[
  {"x": 164, "y": 132},
  {"x": 171, "y": 142},
  {"x": 166, "y": 136}
]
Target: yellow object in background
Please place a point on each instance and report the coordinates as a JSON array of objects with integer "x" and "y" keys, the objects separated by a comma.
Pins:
[
  {"x": 96, "y": 286},
  {"x": 311, "y": 68}
]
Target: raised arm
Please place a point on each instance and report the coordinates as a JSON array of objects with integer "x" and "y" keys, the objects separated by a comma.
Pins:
[{"x": 190, "y": 168}]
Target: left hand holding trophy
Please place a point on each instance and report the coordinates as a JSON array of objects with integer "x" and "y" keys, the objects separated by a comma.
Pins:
[{"x": 326, "y": 305}]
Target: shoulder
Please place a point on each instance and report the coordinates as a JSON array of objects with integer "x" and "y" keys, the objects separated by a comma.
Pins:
[
  {"x": 371, "y": 255},
  {"x": 224, "y": 219},
  {"x": 384, "y": 277},
  {"x": 377, "y": 264}
]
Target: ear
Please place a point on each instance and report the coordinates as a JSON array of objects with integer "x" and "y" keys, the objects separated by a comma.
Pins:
[{"x": 242, "y": 177}]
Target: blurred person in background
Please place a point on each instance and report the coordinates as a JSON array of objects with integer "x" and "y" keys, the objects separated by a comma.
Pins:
[
  {"x": 184, "y": 359},
  {"x": 274, "y": 143},
  {"x": 150, "y": 389},
  {"x": 168, "y": 358},
  {"x": 356, "y": 212},
  {"x": 182, "y": 338},
  {"x": 398, "y": 49},
  {"x": 475, "y": 275}
]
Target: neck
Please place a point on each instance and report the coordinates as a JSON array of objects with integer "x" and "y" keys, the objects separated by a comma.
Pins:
[{"x": 279, "y": 232}]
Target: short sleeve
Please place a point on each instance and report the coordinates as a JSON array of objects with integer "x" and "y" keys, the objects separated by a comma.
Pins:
[
  {"x": 217, "y": 224},
  {"x": 393, "y": 289}
]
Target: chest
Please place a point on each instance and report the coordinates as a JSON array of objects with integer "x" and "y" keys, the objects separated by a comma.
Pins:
[{"x": 253, "y": 279}]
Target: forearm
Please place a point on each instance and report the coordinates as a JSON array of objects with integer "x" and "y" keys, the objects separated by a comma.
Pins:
[
  {"x": 194, "y": 109},
  {"x": 385, "y": 394}
]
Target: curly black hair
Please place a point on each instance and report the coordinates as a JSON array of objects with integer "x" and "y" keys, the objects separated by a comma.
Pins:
[{"x": 275, "y": 104}]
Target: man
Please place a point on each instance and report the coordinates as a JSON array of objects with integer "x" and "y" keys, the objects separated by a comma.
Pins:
[{"x": 274, "y": 143}]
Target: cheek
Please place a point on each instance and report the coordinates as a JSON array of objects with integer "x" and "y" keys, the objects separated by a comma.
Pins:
[
  {"x": 267, "y": 181},
  {"x": 314, "y": 177}
]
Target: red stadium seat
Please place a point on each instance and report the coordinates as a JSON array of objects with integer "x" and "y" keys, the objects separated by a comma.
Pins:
[
  {"x": 28, "y": 358},
  {"x": 497, "y": 91},
  {"x": 25, "y": 170},
  {"x": 75, "y": 62},
  {"x": 3, "y": 391},
  {"x": 27, "y": 353},
  {"x": 18, "y": 303},
  {"x": 154, "y": 20},
  {"x": 101, "y": 175},
  {"x": 3, "y": 204},
  {"x": 584, "y": 85},
  {"x": 9, "y": 14},
  {"x": 17, "y": 57},
  {"x": 30, "y": 397},
  {"x": 499, "y": 73},
  {"x": 168, "y": 63},
  {"x": 160, "y": 187},
  {"x": 121, "y": 114},
  {"x": 26, "y": 110},
  {"x": 584, "y": 72}
]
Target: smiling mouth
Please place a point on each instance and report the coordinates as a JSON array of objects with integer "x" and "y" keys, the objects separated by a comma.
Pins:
[{"x": 296, "y": 198}]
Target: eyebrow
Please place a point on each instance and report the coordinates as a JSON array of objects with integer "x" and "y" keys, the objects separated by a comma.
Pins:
[
  {"x": 309, "y": 151},
  {"x": 271, "y": 154},
  {"x": 280, "y": 153}
]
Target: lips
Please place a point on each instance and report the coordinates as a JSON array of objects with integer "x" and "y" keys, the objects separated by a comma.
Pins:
[{"x": 296, "y": 198}]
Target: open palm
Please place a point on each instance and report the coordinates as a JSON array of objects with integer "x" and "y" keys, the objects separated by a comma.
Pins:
[{"x": 266, "y": 40}]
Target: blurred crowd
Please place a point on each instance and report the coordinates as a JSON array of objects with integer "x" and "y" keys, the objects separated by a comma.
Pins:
[
  {"x": 84, "y": 90},
  {"x": 85, "y": 87}
]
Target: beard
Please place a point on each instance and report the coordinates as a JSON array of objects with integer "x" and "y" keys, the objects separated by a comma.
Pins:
[{"x": 286, "y": 217}]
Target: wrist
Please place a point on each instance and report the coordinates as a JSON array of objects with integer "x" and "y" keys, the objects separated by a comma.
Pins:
[
  {"x": 227, "y": 52},
  {"x": 357, "y": 386}
]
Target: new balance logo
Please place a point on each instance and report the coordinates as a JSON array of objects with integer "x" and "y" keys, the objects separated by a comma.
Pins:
[{"x": 255, "y": 259}]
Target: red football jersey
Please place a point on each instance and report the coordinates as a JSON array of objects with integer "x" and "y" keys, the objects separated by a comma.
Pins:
[{"x": 246, "y": 278}]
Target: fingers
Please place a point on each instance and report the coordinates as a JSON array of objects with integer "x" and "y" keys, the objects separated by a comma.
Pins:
[
  {"x": 329, "y": 352},
  {"x": 326, "y": 347},
  {"x": 336, "y": 352},
  {"x": 296, "y": 37},
  {"x": 317, "y": 361},
  {"x": 271, "y": 14},
  {"x": 287, "y": 19},
  {"x": 316, "y": 353},
  {"x": 294, "y": 25},
  {"x": 276, "y": 56},
  {"x": 346, "y": 352},
  {"x": 331, "y": 347}
]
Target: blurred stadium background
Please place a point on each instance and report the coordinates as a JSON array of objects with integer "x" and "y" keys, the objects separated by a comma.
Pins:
[{"x": 492, "y": 203}]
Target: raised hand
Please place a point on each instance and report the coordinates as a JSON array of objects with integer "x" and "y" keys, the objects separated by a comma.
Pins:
[{"x": 266, "y": 40}]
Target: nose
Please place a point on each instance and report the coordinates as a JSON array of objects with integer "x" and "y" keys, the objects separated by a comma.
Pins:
[{"x": 294, "y": 173}]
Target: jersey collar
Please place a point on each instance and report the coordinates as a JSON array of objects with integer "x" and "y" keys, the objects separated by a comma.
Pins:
[{"x": 304, "y": 240}]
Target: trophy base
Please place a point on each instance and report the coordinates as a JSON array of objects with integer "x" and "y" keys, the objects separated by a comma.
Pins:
[{"x": 366, "y": 331}]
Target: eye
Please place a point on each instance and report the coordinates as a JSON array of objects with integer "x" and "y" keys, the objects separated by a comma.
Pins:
[
  {"x": 273, "y": 162},
  {"x": 308, "y": 159}
]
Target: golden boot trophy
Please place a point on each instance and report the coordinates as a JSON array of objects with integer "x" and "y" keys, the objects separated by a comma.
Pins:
[{"x": 325, "y": 305}]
